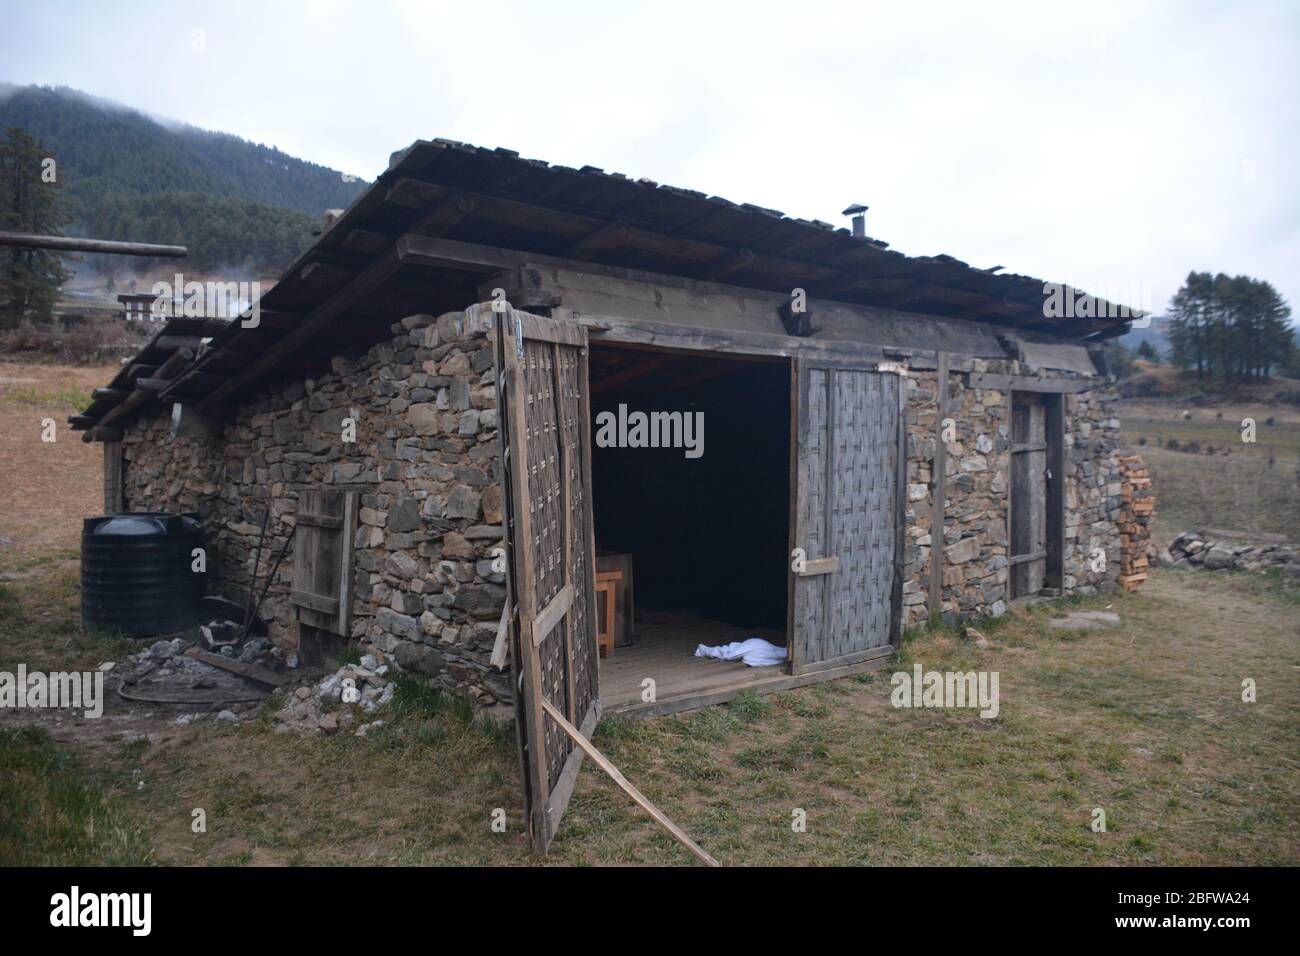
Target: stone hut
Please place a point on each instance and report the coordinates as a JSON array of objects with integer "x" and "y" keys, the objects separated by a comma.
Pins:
[{"x": 538, "y": 432}]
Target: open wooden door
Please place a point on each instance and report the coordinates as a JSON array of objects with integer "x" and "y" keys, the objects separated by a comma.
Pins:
[
  {"x": 542, "y": 396},
  {"x": 849, "y": 514}
]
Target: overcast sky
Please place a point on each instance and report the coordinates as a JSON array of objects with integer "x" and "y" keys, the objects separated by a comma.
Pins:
[{"x": 1110, "y": 145}]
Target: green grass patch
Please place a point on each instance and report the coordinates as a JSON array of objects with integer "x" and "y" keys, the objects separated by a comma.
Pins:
[{"x": 53, "y": 814}]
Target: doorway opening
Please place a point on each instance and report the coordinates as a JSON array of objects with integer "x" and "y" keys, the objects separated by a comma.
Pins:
[{"x": 691, "y": 466}]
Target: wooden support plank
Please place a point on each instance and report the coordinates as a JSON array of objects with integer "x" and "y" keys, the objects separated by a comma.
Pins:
[
  {"x": 170, "y": 343},
  {"x": 501, "y": 647},
  {"x": 1021, "y": 383},
  {"x": 552, "y": 614},
  {"x": 1026, "y": 558},
  {"x": 351, "y": 505},
  {"x": 817, "y": 566},
  {"x": 676, "y": 832},
  {"x": 100, "y": 433},
  {"x": 152, "y": 384},
  {"x": 897, "y": 623},
  {"x": 719, "y": 315},
  {"x": 251, "y": 671},
  {"x": 938, "y": 488},
  {"x": 319, "y": 521},
  {"x": 565, "y": 462},
  {"x": 317, "y": 602}
]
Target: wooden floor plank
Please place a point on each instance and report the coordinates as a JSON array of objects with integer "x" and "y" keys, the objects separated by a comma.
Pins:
[{"x": 664, "y": 651}]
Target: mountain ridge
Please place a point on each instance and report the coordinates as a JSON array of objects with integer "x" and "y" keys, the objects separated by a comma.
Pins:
[{"x": 119, "y": 167}]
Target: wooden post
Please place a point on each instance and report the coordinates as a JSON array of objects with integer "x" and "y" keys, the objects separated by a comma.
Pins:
[
  {"x": 113, "y": 477},
  {"x": 938, "y": 493}
]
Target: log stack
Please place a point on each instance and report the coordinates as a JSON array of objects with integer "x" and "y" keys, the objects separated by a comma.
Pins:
[{"x": 1137, "y": 512}]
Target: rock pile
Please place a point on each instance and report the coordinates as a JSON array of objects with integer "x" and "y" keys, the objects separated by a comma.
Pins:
[
  {"x": 1194, "y": 550},
  {"x": 348, "y": 696}
]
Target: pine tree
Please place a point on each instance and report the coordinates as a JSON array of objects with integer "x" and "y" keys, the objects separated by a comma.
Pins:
[
  {"x": 30, "y": 201},
  {"x": 1235, "y": 328},
  {"x": 1148, "y": 352}
]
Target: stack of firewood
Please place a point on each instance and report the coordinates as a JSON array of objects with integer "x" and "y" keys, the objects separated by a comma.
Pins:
[{"x": 1139, "y": 508}]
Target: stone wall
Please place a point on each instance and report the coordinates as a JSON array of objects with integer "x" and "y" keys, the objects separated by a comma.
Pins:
[
  {"x": 974, "y": 539},
  {"x": 425, "y": 464}
]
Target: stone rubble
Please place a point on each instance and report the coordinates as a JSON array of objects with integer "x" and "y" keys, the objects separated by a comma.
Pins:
[
  {"x": 348, "y": 696},
  {"x": 1193, "y": 550}
]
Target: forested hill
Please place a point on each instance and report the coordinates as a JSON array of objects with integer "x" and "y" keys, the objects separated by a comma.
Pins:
[{"x": 130, "y": 177}]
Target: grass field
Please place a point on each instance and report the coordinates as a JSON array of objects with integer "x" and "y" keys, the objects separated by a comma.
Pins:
[
  {"x": 1144, "y": 721},
  {"x": 1223, "y": 481}
]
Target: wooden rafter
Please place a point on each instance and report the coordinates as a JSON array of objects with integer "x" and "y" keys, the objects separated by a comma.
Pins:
[{"x": 630, "y": 374}]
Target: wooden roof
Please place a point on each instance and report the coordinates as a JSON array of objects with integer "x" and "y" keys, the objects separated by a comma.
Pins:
[{"x": 347, "y": 289}]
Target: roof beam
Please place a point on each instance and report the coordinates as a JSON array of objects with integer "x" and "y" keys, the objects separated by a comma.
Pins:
[
  {"x": 604, "y": 237},
  {"x": 627, "y": 375},
  {"x": 175, "y": 362},
  {"x": 728, "y": 262},
  {"x": 346, "y": 298},
  {"x": 579, "y": 225}
]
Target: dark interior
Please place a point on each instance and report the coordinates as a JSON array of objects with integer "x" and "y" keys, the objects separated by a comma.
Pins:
[{"x": 708, "y": 535}]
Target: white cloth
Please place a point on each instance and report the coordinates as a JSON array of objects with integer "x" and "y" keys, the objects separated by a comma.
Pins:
[{"x": 755, "y": 652}]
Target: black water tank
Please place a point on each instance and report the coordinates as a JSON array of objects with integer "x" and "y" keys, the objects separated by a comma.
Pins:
[{"x": 136, "y": 576}]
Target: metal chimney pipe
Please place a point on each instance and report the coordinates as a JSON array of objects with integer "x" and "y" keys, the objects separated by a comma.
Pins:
[{"x": 859, "y": 214}]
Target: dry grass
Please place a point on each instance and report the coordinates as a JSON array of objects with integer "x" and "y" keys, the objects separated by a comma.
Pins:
[
  {"x": 1242, "y": 486},
  {"x": 45, "y": 488},
  {"x": 1144, "y": 721}
]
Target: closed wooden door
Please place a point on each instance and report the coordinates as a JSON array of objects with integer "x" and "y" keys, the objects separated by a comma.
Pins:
[
  {"x": 850, "y": 477},
  {"x": 546, "y": 447},
  {"x": 1028, "y": 552}
]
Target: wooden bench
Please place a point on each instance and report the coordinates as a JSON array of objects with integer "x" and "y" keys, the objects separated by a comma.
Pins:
[{"x": 607, "y": 584}]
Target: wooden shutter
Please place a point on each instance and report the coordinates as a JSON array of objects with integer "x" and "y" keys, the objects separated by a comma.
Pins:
[
  {"x": 850, "y": 494},
  {"x": 546, "y": 453},
  {"x": 322, "y": 559}
]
